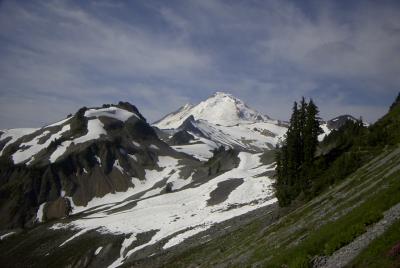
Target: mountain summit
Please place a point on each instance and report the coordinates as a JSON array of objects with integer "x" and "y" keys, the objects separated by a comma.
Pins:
[
  {"x": 220, "y": 120},
  {"x": 220, "y": 108}
]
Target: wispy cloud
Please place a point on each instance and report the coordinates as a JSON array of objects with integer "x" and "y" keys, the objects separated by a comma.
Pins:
[{"x": 60, "y": 55}]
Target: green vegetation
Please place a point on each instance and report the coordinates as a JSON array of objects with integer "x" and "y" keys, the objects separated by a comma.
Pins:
[
  {"x": 302, "y": 175},
  {"x": 383, "y": 251},
  {"x": 295, "y": 157},
  {"x": 334, "y": 235}
]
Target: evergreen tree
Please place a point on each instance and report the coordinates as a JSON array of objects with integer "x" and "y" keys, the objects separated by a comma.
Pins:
[
  {"x": 312, "y": 130},
  {"x": 302, "y": 122},
  {"x": 395, "y": 103},
  {"x": 294, "y": 158}
]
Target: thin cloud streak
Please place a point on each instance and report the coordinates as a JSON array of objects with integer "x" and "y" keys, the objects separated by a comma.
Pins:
[{"x": 160, "y": 55}]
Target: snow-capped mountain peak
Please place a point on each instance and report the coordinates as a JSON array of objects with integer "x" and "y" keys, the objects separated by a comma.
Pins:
[{"x": 220, "y": 108}]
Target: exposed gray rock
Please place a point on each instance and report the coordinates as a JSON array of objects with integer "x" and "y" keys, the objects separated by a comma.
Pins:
[{"x": 347, "y": 253}]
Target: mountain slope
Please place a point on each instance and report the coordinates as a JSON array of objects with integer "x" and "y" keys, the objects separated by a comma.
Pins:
[
  {"x": 311, "y": 233},
  {"x": 63, "y": 166}
]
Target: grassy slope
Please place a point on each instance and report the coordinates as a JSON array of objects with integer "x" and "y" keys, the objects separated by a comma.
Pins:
[
  {"x": 323, "y": 225},
  {"x": 377, "y": 254}
]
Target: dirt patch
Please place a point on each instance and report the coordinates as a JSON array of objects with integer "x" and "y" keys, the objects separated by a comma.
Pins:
[{"x": 221, "y": 193}]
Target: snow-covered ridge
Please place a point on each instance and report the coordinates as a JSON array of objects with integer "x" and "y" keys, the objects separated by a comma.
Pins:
[
  {"x": 254, "y": 137},
  {"x": 29, "y": 148},
  {"x": 13, "y": 135},
  {"x": 113, "y": 112},
  {"x": 221, "y": 108}
]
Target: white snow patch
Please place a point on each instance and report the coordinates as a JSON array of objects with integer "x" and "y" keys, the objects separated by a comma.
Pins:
[
  {"x": 180, "y": 237},
  {"x": 95, "y": 130},
  {"x": 126, "y": 243},
  {"x": 98, "y": 251},
  {"x": 59, "y": 122},
  {"x": 34, "y": 147},
  {"x": 178, "y": 183},
  {"x": 201, "y": 151},
  {"x": 113, "y": 112},
  {"x": 154, "y": 147},
  {"x": 39, "y": 214},
  {"x": 14, "y": 134},
  {"x": 98, "y": 160},
  {"x": 133, "y": 157},
  {"x": 81, "y": 232},
  {"x": 62, "y": 147},
  {"x": 118, "y": 166},
  {"x": 135, "y": 143},
  {"x": 4, "y": 236},
  {"x": 325, "y": 133}
]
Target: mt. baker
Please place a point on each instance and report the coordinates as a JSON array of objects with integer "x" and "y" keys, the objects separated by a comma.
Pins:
[
  {"x": 221, "y": 120},
  {"x": 221, "y": 108}
]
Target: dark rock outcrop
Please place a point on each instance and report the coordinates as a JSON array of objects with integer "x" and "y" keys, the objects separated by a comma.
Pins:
[{"x": 181, "y": 137}]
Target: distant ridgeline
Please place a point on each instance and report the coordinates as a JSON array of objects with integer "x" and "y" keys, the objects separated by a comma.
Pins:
[{"x": 305, "y": 167}]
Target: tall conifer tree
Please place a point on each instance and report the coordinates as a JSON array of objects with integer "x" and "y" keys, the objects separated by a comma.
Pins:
[{"x": 294, "y": 158}]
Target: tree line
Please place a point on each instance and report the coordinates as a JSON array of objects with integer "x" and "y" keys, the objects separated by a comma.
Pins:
[{"x": 305, "y": 167}]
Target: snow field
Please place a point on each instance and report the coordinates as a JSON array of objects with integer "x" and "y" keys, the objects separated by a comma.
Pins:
[
  {"x": 184, "y": 212},
  {"x": 14, "y": 134},
  {"x": 221, "y": 108}
]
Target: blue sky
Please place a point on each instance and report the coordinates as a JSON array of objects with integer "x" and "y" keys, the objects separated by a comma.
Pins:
[{"x": 57, "y": 56}]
